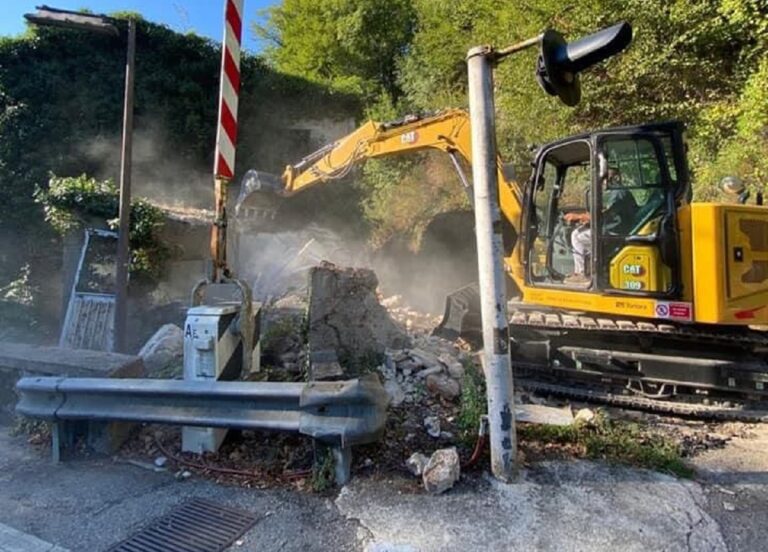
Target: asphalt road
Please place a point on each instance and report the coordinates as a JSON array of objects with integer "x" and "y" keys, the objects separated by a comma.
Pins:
[{"x": 90, "y": 504}]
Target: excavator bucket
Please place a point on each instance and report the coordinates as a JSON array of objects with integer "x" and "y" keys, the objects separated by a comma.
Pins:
[
  {"x": 462, "y": 315},
  {"x": 257, "y": 181}
]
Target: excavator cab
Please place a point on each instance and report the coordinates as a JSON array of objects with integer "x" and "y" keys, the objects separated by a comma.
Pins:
[{"x": 603, "y": 207}]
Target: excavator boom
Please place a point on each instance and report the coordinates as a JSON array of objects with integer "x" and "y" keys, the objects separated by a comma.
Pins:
[{"x": 447, "y": 131}]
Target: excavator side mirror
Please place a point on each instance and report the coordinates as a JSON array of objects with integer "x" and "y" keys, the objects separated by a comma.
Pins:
[{"x": 560, "y": 62}]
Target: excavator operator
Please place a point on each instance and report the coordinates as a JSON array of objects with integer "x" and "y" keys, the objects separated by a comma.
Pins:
[{"x": 618, "y": 207}]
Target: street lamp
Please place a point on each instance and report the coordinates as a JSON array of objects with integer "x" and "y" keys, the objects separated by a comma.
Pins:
[
  {"x": 48, "y": 16},
  {"x": 558, "y": 68}
]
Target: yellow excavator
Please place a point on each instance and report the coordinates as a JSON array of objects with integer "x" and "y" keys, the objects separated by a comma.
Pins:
[{"x": 625, "y": 291}]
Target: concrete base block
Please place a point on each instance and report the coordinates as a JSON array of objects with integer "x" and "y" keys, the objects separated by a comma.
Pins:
[{"x": 202, "y": 439}]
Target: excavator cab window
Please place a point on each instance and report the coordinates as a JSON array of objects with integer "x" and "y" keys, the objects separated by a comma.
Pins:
[
  {"x": 637, "y": 242},
  {"x": 559, "y": 198},
  {"x": 602, "y": 214}
]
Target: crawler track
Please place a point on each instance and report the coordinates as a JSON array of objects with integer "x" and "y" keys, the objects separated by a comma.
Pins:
[
  {"x": 694, "y": 370},
  {"x": 631, "y": 402}
]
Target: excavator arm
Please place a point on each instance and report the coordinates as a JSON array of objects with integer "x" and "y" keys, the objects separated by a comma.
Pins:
[{"x": 448, "y": 131}]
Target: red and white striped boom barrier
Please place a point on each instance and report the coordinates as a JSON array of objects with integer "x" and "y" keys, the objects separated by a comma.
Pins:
[{"x": 226, "y": 134}]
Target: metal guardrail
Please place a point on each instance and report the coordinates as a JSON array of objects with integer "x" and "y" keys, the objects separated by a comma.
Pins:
[{"x": 340, "y": 414}]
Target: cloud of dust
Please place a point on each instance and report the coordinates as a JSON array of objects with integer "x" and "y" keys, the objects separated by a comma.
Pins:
[
  {"x": 159, "y": 174},
  {"x": 275, "y": 262}
]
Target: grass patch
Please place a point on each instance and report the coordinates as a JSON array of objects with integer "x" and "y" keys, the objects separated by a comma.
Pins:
[
  {"x": 323, "y": 469},
  {"x": 614, "y": 441},
  {"x": 603, "y": 439},
  {"x": 473, "y": 402}
]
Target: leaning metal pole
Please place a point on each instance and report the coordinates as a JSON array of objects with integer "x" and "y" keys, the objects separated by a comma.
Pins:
[
  {"x": 123, "y": 242},
  {"x": 493, "y": 302}
]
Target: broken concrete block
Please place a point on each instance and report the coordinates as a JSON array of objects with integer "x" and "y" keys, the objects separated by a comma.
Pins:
[
  {"x": 324, "y": 365},
  {"x": 345, "y": 316},
  {"x": 432, "y": 425},
  {"x": 395, "y": 393},
  {"x": 584, "y": 416},
  {"x": 164, "y": 348},
  {"x": 431, "y": 371},
  {"x": 416, "y": 463},
  {"x": 19, "y": 359},
  {"x": 425, "y": 358},
  {"x": 442, "y": 471},
  {"x": 539, "y": 414},
  {"x": 443, "y": 386},
  {"x": 454, "y": 367}
]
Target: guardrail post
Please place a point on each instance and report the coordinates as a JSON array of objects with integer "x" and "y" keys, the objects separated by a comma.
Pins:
[
  {"x": 342, "y": 464},
  {"x": 56, "y": 442}
]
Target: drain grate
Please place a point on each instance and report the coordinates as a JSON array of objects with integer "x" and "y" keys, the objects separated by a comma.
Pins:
[{"x": 195, "y": 526}]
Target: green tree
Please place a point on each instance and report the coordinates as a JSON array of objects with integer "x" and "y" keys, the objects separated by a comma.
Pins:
[{"x": 350, "y": 45}]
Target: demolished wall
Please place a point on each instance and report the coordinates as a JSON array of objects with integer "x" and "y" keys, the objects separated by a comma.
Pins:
[{"x": 346, "y": 323}]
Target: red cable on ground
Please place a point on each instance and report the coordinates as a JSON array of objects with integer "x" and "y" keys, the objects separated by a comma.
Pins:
[
  {"x": 482, "y": 437},
  {"x": 476, "y": 453},
  {"x": 229, "y": 471}
]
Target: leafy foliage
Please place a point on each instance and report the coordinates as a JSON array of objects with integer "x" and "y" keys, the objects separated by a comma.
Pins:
[
  {"x": 701, "y": 61},
  {"x": 349, "y": 45},
  {"x": 19, "y": 291},
  {"x": 73, "y": 202},
  {"x": 61, "y": 101}
]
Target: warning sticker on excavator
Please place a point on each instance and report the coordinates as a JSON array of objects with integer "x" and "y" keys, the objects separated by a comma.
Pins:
[{"x": 675, "y": 310}]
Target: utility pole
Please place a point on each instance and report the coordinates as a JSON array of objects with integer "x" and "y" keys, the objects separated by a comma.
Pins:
[
  {"x": 497, "y": 364},
  {"x": 123, "y": 235},
  {"x": 557, "y": 71}
]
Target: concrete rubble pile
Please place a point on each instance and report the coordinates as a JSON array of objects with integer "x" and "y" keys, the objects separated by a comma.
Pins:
[
  {"x": 433, "y": 365},
  {"x": 340, "y": 329}
]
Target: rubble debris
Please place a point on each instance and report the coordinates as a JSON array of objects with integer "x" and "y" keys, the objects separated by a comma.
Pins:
[
  {"x": 443, "y": 386},
  {"x": 432, "y": 425},
  {"x": 416, "y": 463},
  {"x": 282, "y": 342},
  {"x": 426, "y": 359},
  {"x": 442, "y": 471},
  {"x": 395, "y": 392},
  {"x": 729, "y": 506},
  {"x": 163, "y": 350},
  {"x": 724, "y": 490},
  {"x": 540, "y": 414},
  {"x": 431, "y": 371},
  {"x": 454, "y": 367},
  {"x": 585, "y": 416},
  {"x": 161, "y": 461},
  {"x": 183, "y": 475},
  {"x": 345, "y": 317}
]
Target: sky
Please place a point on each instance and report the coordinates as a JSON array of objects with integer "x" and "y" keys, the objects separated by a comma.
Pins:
[{"x": 204, "y": 17}]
